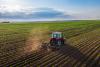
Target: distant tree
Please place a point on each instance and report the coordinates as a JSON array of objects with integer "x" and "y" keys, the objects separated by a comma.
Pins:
[{"x": 6, "y": 22}]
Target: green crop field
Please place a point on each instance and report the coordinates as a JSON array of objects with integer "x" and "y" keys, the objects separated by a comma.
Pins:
[{"x": 20, "y": 42}]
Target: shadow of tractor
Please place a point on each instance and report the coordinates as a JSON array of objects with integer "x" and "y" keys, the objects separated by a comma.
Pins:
[{"x": 72, "y": 51}]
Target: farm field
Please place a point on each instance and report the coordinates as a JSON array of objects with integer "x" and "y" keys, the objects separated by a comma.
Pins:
[{"x": 20, "y": 44}]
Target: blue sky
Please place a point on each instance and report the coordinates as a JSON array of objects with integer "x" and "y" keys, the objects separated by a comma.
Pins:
[{"x": 49, "y": 9}]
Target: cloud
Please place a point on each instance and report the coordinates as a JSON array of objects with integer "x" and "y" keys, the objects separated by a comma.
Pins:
[
  {"x": 48, "y": 13},
  {"x": 38, "y": 13},
  {"x": 19, "y": 12}
]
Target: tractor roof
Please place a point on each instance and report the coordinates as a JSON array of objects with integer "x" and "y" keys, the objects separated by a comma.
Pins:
[{"x": 57, "y": 33}]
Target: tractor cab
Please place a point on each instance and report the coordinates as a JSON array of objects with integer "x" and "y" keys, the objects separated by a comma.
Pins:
[{"x": 56, "y": 40}]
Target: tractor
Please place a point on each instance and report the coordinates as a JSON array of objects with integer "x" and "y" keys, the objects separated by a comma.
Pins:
[{"x": 56, "y": 41}]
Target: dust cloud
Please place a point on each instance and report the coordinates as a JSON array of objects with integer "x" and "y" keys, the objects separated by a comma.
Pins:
[{"x": 35, "y": 40}]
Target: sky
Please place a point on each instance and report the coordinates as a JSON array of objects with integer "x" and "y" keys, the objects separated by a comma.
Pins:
[{"x": 49, "y": 9}]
